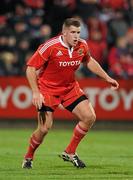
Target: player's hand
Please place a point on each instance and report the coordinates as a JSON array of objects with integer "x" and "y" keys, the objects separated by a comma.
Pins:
[
  {"x": 114, "y": 84},
  {"x": 37, "y": 99}
]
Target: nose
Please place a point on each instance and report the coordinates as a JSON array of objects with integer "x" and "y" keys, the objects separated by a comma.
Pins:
[{"x": 76, "y": 37}]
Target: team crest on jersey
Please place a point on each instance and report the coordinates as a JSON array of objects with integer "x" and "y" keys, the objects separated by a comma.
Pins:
[{"x": 80, "y": 51}]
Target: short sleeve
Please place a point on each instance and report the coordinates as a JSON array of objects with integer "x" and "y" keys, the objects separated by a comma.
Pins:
[
  {"x": 39, "y": 58},
  {"x": 44, "y": 51},
  {"x": 87, "y": 52}
]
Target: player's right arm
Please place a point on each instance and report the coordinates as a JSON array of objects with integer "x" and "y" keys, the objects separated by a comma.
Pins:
[
  {"x": 37, "y": 61},
  {"x": 37, "y": 98},
  {"x": 34, "y": 63}
]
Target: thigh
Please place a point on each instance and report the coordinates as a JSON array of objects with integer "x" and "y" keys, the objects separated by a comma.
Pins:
[
  {"x": 45, "y": 119},
  {"x": 84, "y": 110}
]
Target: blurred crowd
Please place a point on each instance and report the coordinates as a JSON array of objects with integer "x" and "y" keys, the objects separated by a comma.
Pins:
[{"x": 106, "y": 25}]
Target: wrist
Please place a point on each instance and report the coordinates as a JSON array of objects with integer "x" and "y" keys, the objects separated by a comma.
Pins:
[
  {"x": 35, "y": 91},
  {"x": 107, "y": 78}
]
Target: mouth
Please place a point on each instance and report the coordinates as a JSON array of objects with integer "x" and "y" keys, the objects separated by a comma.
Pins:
[{"x": 75, "y": 41}]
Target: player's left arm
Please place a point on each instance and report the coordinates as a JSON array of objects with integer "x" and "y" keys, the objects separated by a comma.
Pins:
[{"x": 95, "y": 67}]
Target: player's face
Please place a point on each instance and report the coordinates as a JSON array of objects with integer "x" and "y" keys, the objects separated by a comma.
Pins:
[{"x": 71, "y": 35}]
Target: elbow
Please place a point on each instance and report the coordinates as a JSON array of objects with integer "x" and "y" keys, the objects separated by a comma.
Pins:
[
  {"x": 27, "y": 71},
  {"x": 30, "y": 70}
]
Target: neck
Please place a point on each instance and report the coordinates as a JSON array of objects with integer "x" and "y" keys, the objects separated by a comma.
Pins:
[{"x": 65, "y": 42}]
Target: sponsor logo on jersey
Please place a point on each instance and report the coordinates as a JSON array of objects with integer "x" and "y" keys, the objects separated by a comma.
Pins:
[{"x": 69, "y": 63}]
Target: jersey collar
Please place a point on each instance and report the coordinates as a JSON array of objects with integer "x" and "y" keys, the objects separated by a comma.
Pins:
[
  {"x": 70, "y": 50},
  {"x": 63, "y": 44}
]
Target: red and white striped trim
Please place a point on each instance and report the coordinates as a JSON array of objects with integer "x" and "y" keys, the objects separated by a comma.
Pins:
[
  {"x": 48, "y": 44},
  {"x": 32, "y": 145},
  {"x": 34, "y": 141},
  {"x": 80, "y": 130}
]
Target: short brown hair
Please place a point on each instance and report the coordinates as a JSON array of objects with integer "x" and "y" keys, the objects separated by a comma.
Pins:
[{"x": 71, "y": 22}]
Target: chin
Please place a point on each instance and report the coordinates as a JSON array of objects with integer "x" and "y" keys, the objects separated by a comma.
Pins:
[{"x": 74, "y": 44}]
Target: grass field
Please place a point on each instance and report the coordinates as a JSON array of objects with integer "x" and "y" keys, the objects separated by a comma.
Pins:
[{"x": 108, "y": 155}]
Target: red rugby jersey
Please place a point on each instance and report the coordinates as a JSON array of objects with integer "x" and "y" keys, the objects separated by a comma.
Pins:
[{"x": 57, "y": 64}]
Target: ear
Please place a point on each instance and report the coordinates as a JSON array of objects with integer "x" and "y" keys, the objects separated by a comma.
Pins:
[{"x": 64, "y": 33}]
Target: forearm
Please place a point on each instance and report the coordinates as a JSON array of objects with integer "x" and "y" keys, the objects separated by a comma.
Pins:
[
  {"x": 32, "y": 78},
  {"x": 94, "y": 66}
]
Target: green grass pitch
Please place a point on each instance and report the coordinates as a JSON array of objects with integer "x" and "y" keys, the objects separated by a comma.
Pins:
[{"x": 107, "y": 154}]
